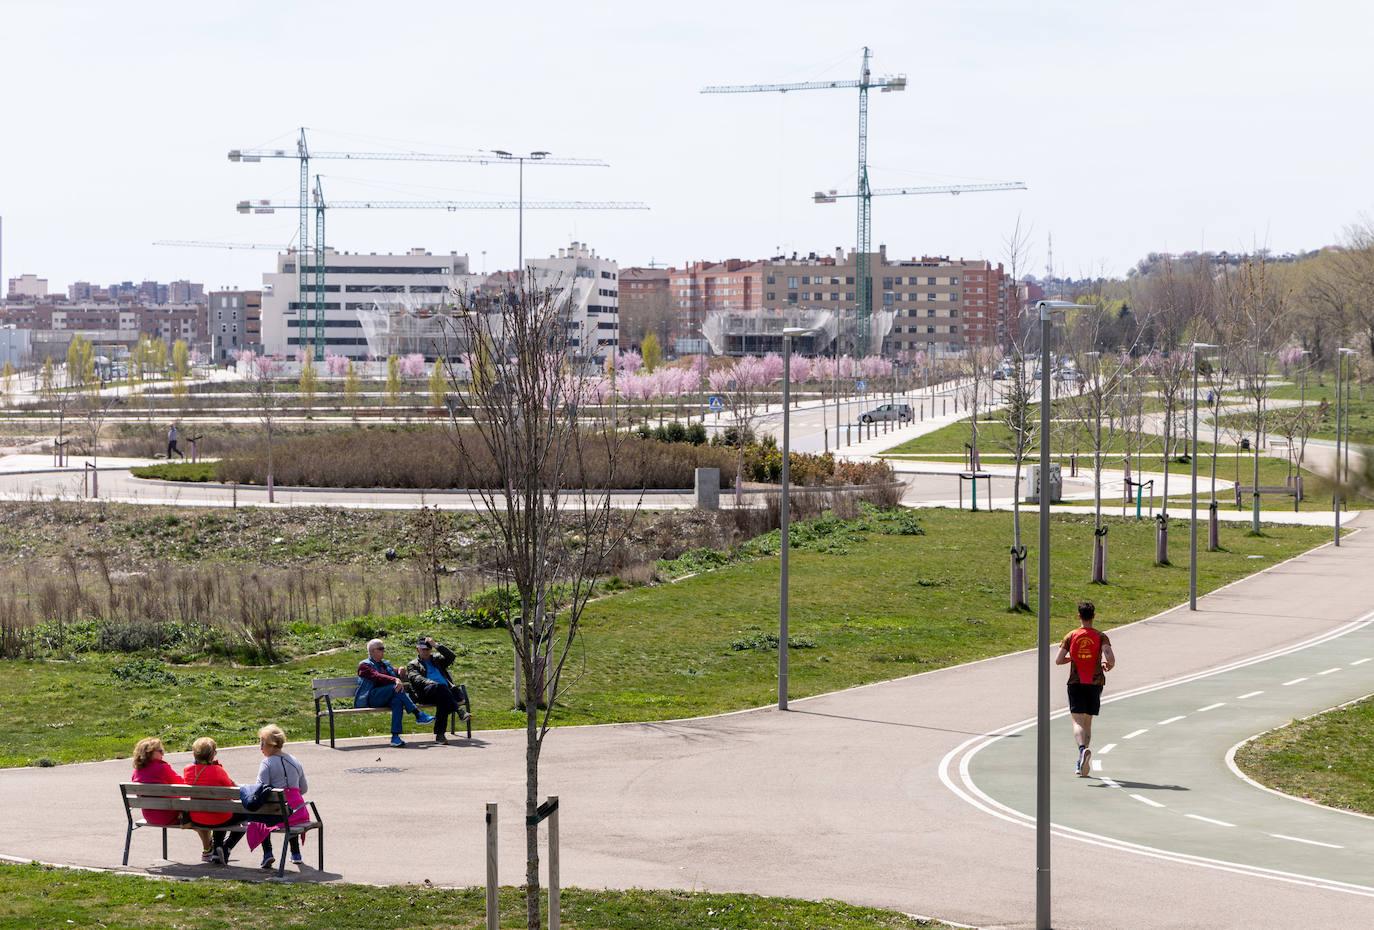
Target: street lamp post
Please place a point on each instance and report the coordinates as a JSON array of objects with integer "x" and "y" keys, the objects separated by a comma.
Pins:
[
  {"x": 784, "y": 510},
  {"x": 1336, "y": 502},
  {"x": 1192, "y": 522},
  {"x": 1042, "y": 730},
  {"x": 520, "y": 209}
]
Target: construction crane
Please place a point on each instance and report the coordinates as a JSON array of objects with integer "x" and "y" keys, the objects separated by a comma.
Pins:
[
  {"x": 863, "y": 305},
  {"x": 831, "y": 196},
  {"x": 303, "y": 155},
  {"x": 198, "y": 244},
  {"x": 321, "y": 206}
]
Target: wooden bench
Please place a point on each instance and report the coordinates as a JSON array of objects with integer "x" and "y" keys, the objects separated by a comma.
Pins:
[
  {"x": 329, "y": 690},
  {"x": 1295, "y": 492},
  {"x": 186, "y": 798}
]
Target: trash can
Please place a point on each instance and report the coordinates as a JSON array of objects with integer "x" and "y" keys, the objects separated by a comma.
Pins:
[{"x": 1032, "y": 484}]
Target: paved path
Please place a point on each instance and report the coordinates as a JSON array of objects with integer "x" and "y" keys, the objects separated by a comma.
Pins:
[{"x": 844, "y": 796}]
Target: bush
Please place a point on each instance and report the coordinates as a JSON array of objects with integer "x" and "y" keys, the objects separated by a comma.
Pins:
[
  {"x": 754, "y": 638},
  {"x": 143, "y": 672},
  {"x": 428, "y": 458}
]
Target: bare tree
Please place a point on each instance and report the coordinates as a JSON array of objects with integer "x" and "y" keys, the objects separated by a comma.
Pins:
[
  {"x": 977, "y": 367},
  {"x": 551, "y": 533},
  {"x": 1172, "y": 374},
  {"x": 1354, "y": 277},
  {"x": 1256, "y": 310},
  {"x": 262, "y": 383},
  {"x": 1018, "y": 416},
  {"x": 1101, "y": 374}
]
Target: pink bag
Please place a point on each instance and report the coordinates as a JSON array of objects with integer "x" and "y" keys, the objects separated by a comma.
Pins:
[{"x": 295, "y": 802}]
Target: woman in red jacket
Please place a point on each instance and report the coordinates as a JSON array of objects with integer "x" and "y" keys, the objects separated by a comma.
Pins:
[
  {"x": 206, "y": 770},
  {"x": 150, "y": 769}
]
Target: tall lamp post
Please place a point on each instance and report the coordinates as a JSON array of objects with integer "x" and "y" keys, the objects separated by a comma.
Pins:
[
  {"x": 520, "y": 210},
  {"x": 784, "y": 511},
  {"x": 1042, "y": 731},
  {"x": 1192, "y": 458},
  {"x": 1336, "y": 502}
]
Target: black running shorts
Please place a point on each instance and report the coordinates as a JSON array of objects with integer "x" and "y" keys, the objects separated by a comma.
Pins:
[{"x": 1085, "y": 699}]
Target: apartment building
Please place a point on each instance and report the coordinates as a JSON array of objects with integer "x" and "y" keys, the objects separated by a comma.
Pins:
[
  {"x": 702, "y": 288},
  {"x": 354, "y": 282},
  {"x": 234, "y": 320},
  {"x": 646, "y": 306},
  {"x": 53, "y": 325},
  {"x": 590, "y": 284}
]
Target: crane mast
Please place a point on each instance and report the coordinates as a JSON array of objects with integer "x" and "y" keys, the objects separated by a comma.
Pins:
[{"x": 863, "y": 304}]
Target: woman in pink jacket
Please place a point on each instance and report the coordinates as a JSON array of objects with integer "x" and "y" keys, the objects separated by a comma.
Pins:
[{"x": 150, "y": 769}]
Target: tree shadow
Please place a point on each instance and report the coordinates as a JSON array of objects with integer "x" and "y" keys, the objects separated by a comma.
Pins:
[
  {"x": 1141, "y": 785},
  {"x": 894, "y": 723}
]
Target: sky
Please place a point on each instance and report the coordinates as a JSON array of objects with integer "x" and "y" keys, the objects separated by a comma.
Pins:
[{"x": 1138, "y": 127}]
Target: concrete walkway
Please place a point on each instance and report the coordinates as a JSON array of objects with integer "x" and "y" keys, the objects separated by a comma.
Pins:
[{"x": 847, "y": 795}]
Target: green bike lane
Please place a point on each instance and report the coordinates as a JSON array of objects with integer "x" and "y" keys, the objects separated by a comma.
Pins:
[{"x": 1162, "y": 780}]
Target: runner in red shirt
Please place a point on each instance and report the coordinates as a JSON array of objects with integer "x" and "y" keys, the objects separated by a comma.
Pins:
[{"x": 1090, "y": 653}]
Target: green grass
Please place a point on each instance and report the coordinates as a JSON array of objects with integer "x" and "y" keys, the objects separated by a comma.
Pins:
[
  {"x": 872, "y": 606},
  {"x": 179, "y": 471},
  {"x": 1328, "y": 758},
  {"x": 36, "y": 896},
  {"x": 1361, "y": 412}
]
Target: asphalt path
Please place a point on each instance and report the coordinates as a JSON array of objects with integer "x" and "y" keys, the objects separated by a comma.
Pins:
[{"x": 850, "y": 795}]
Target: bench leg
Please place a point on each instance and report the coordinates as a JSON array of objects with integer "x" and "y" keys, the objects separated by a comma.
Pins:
[
  {"x": 128, "y": 839},
  {"x": 319, "y": 843},
  {"x": 164, "y": 842},
  {"x": 317, "y": 726},
  {"x": 285, "y": 853},
  {"x": 331, "y": 728}
]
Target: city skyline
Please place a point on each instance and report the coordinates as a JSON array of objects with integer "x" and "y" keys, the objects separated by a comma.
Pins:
[{"x": 994, "y": 93}]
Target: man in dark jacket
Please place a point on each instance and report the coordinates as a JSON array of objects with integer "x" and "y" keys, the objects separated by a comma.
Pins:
[{"x": 428, "y": 676}]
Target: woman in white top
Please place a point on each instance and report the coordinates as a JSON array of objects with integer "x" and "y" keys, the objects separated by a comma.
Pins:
[{"x": 277, "y": 770}]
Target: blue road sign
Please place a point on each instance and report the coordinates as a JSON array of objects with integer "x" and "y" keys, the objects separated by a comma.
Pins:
[
  {"x": 717, "y": 402},
  {"x": 860, "y": 386}
]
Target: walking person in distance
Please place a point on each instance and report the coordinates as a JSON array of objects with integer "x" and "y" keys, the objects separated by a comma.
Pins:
[{"x": 1088, "y": 653}]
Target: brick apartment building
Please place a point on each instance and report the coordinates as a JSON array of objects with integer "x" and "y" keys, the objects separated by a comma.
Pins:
[
  {"x": 645, "y": 306},
  {"x": 53, "y": 323}
]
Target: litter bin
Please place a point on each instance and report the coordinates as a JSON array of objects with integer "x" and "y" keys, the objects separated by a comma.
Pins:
[{"x": 1032, "y": 484}]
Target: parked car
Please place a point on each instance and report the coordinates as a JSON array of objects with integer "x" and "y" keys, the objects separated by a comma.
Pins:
[
  {"x": 899, "y": 412},
  {"x": 1068, "y": 375}
]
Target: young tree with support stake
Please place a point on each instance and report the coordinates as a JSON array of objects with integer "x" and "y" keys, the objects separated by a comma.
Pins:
[
  {"x": 1101, "y": 375},
  {"x": 1019, "y": 416},
  {"x": 1172, "y": 376},
  {"x": 550, "y": 533},
  {"x": 1256, "y": 309}
]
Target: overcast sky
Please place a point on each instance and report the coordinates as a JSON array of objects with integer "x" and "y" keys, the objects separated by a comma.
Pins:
[{"x": 1138, "y": 126}]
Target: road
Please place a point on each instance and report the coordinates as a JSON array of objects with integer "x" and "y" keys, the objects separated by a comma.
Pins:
[{"x": 851, "y": 794}]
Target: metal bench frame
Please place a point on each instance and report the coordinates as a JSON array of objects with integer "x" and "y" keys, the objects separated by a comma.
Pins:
[
  {"x": 212, "y": 799},
  {"x": 1268, "y": 489},
  {"x": 325, "y": 690}
]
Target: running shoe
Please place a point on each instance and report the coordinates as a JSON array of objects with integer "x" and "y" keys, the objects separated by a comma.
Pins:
[{"x": 1085, "y": 763}]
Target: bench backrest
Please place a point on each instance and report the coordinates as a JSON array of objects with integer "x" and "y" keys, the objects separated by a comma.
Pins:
[
  {"x": 202, "y": 798},
  {"x": 334, "y": 687}
]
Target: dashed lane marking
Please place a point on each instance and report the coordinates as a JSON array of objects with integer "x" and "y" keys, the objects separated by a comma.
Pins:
[
  {"x": 1361, "y": 661},
  {"x": 1250, "y": 695},
  {"x": 1144, "y": 800},
  {"x": 1134, "y": 734},
  {"x": 1295, "y": 681},
  {"x": 1106, "y": 749},
  {"x": 1298, "y": 839},
  {"x": 1203, "y": 710},
  {"x": 1097, "y": 765},
  {"x": 1165, "y": 723},
  {"x": 1213, "y": 820},
  {"x": 1330, "y": 670}
]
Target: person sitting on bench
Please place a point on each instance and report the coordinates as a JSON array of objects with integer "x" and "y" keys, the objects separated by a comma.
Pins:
[
  {"x": 381, "y": 685},
  {"x": 428, "y": 677},
  {"x": 207, "y": 771},
  {"x": 151, "y": 769}
]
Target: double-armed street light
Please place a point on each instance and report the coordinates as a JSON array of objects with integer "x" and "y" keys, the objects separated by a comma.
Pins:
[
  {"x": 784, "y": 511},
  {"x": 1192, "y": 458}
]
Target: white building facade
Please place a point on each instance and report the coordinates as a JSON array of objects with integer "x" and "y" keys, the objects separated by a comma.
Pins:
[
  {"x": 591, "y": 286},
  {"x": 353, "y": 281}
]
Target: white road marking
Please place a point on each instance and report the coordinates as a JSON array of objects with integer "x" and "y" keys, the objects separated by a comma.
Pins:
[
  {"x": 1106, "y": 749},
  {"x": 1360, "y": 661},
  {"x": 1134, "y": 734},
  {"x": 1097, "y": 765},
  {"x": 1203, "y": 710},
  {"x": 1250, "y": 695},
  {"x": 1330, "y": 670},
  {"x": 1108, "y": 782},
  {"x": 1295, "y": 681},
  {"x": 1164, "y": 723},
  {"x": 1298, "y": 839},
  {"x": 1144, "y": 800},
  {"x": 1219, "y": 823}
]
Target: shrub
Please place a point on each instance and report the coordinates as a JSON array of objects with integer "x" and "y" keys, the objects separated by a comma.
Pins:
[
  {"x": 754, "y": 638},
  {"x": 428, "y": 458},
  {"x": 143, "y": 672},
  {"x": 696, "y": 434}
]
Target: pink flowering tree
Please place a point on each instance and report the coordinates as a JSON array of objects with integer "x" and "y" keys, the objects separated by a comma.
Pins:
[
  {"x": 263, "y": 371},
  {"x": 335, "y": 364},
  {"x": 412, "y": 366}
]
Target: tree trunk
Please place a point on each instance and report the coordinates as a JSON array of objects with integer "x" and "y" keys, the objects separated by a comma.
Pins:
[{"x": 532, "y": 701}]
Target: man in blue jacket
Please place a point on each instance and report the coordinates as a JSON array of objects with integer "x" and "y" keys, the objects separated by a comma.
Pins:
[
  {"x": 428, "y": 676},
  {"x": 380, "y": 685}
]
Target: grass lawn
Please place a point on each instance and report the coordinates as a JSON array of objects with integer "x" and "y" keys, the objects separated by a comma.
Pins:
[
  {"x": 1328, "y": 759},
  {"x": 867, "y": 606},
  {"x": 1361, "y": 409},
  {"x": 35, "y": 896},
  {"x": 178, "y": 471}
]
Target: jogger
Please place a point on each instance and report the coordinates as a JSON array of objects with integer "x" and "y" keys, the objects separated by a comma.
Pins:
[{"x": 1090, "y": 652}]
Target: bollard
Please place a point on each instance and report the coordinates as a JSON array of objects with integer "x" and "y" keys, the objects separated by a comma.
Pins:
[
  {"x": 493, "y": 904},
  {"x": 708, "y": 488}
]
